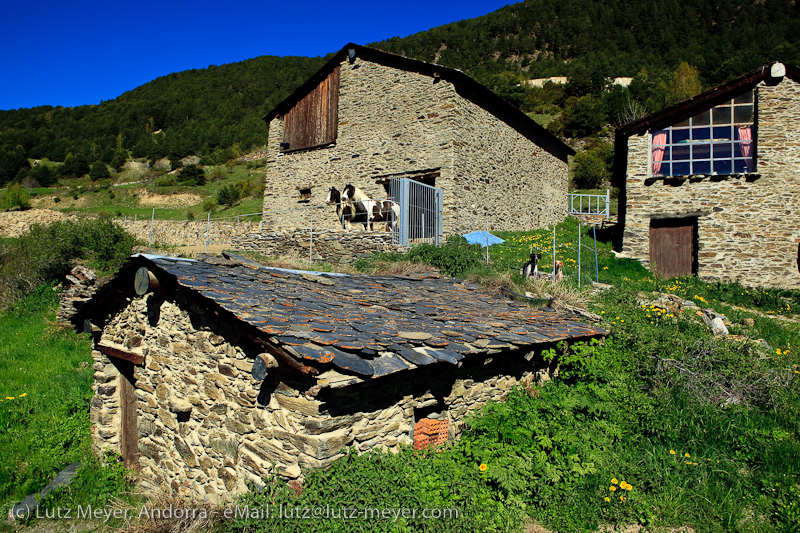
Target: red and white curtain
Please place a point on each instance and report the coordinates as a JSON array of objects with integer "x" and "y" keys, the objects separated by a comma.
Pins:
[
  {"x": 746, "y": 146},
  {"x": 659, "y": 142}
]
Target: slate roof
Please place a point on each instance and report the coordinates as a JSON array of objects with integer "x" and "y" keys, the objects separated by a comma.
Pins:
[{"x": 345, "y": 320}]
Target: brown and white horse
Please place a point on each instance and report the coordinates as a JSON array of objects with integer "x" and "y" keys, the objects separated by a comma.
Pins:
[
  {"x": 362, "y": 205},
  {"x": 367, "y": 211},
  {"x": 343, "y": 210}
]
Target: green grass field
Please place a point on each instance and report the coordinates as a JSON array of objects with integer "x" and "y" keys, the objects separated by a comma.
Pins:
[{"x": 45, "y": 388}]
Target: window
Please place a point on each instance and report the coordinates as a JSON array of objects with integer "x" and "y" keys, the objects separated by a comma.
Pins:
[
  {"x": 314, "y": 120},
  {"x": 716, "y": 141},
  {"x": 305, "y": 195}
]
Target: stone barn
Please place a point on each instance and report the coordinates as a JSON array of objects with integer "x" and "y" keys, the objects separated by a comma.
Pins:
[
  {"x": 708, "y": 186},
  {"x": 369, "y": 116},
  {"x": 210, "y": 374}
]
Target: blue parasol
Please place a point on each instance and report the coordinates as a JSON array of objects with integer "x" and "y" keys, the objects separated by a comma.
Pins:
[{"x": 483, "y": 238}]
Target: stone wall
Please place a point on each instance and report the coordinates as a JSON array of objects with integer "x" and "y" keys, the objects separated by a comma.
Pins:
[
  {"x": 501, "y": 177},
  {"x": 748, "y": 227},
  {"x": 206, "y": 427},
  {"x": 392, "y": 121},
  {"x": 189, "y": 232},
  {"x": 330, "y": 246}
]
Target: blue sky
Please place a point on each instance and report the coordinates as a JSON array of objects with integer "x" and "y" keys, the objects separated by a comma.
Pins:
[{"x": 83, "y": 52}]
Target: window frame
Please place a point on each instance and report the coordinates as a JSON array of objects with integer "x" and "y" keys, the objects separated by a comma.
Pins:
[{"x": 720, "y": 140}]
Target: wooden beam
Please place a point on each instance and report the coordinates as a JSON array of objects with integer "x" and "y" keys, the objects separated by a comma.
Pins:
[
  {"x": 136, "y": 359},
  {"x": 284, "y": 357}
]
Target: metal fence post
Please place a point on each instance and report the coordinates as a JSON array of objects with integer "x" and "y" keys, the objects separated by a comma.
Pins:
[
  {"x": 596, "y": 268},
  {"x": 554, "y": 254},
  {"x": 152, "y": 222},
  {"x": 208, "y": 230},
  {"x": 579, "y": 254},
  {"x": 487, "y": 243}
]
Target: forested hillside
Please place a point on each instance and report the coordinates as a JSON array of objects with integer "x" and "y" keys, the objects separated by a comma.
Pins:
[
  {"x": 206, "y": 111},
  {"x": 672, "y": 48},
  {"x": 722, "y": 38}
]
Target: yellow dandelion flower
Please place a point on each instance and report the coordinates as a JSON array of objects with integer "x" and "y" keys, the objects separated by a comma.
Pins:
[
  {"x": 622, "y": 498},
  {"x": 629, "y": 487},
  {"x": 695, "y": 464},
  {"x": 614, "y": 481},
  {"x": 672, "y": 452},
  {"x": 687, "y": 455},
  {"x": 483, "y": 467},
  {"x": 607, "y": 499},
  {"x": 9, "y": 397},
  {"x": 612, "y": 488},
  {"x": 623, "y": 485},
  {"x": 23, "y": 394}
]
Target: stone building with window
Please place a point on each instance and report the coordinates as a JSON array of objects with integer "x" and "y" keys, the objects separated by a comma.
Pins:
[
  {"x": 368, "y": 116},
  {"x": 708, "y": 185}
]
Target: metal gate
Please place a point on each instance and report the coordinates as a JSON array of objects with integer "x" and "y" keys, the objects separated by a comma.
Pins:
[{"x": 420, "y": 212}]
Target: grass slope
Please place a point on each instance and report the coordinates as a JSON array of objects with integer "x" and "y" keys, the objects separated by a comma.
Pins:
[{"x": 660, "y": 425}]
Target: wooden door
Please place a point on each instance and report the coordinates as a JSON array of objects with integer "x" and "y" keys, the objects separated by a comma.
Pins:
[
  {"x": 129, "y": 439},
  {"x": 672, "y": 246}
]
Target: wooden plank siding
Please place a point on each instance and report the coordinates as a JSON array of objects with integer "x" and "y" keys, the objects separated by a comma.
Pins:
[
  {"x": 314, "y": 120},
  {"x": 672, "y": 246},
  {"x": 129, "y": 441}
]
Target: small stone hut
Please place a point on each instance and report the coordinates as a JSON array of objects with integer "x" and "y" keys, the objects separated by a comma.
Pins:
[
  {"x": 212, "y": 374},
  {"x": 368, "y": 116},
  {"x": 708, "y": 185}
]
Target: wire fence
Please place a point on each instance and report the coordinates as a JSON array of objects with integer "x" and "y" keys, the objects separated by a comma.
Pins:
[
  {"x": 223, "y": 230},
  {"x": 306, "y": 225}
]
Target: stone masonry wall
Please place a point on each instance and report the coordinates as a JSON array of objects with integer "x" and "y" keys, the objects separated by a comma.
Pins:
[
  {"x": 206, "y": 427},
  {"x": 189, "y": 232},
  {"x": 501, "y": 177},
  {"x": 748, "y": 228},
  {"x": 392, "y": 121},
  {"x": 330, "y": 246}
]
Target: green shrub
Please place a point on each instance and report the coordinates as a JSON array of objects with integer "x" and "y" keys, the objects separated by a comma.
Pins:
[
  {"x": 209, "y": 204},
  {"x": 47, "y": 253},
  {"x": 455, "y": 257},
  {"x": 167, "y": 181},
  {"x": 218, "y": 172},
  {"x": 457, "y": 494},
  {"x": 98, "y": 171},
  {"x": 192, "y": 175},
  {"x": 229, "y": 194},
  {"x": 14, "y": 197},
  {"x": 590, "y": 171}
]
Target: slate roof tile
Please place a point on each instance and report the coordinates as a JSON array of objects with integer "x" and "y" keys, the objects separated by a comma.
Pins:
[{"x": 355, "y": 322}]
